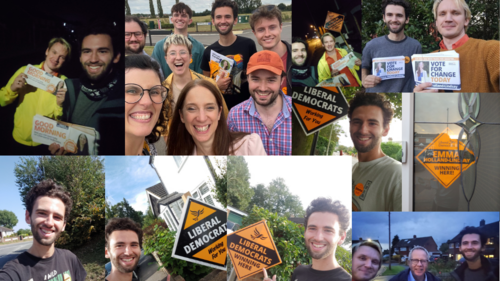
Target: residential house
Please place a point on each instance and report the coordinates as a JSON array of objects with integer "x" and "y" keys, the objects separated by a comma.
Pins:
[
  {"x": 491, "y": 251},
  {"x": 4, "y": 232},
  {"x": 180, "y": 177},
  {"x": 404, "y": 246},
  {"x": 234, "y": 218}
]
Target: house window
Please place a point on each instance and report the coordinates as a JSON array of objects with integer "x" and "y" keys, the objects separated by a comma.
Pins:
[
  {"x": 403, "y": 248},
  {"x": 490, "y": 241},
  {"x": 177, "y": 209},
  {"x": 170, "y": 221},
  {"x": 179, "y": 161},
  {"x": 203, "y": 193},
  {"x": 452, "y": 245}
]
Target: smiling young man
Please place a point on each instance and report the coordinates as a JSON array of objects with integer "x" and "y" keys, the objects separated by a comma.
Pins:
[
  {"x": 479, "y": 68},
  {"x": 123, "y": 247},
  {"x": 366, "y": 260},
  {"x": 181, "y": 19},
  {"x": 396, "y": 43},
  {"x": 376, "y": 178},
  {"x": 267, "y": 26},
  {"x": 302, "y": 75},
  {"x": 96, "y": 99},
  {"x": 477, "y": 267},
  {"x": 48, "y": 208},
  {"x": 418, "y": 260},
  {"x": 268, "y": 111},
  {"x": 238, "y": 48},
  {"x": 30, "y": 101},
  {"x": 326, "y": 223}
]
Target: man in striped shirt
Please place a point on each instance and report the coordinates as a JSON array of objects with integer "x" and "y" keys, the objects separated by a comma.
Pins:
[{"x": 268, "y": 111}]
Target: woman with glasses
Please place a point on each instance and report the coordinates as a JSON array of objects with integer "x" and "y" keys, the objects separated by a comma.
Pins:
[
  {"x": 146, "y": 115},
  {"x": 199, "y": 125}
]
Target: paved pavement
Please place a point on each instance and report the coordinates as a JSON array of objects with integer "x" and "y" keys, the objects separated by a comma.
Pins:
[
  {"x": 209, "y": 38},
  {"x": 10, "y": 251}
]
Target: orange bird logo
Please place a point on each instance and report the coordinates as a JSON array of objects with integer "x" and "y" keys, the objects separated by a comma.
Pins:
[
  {"x": 258, "y": 235},
  {"x": 197, "y": 214}
]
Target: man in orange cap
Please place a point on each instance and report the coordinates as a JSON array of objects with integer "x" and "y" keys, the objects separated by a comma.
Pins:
[{"x": 268, "y": 111}]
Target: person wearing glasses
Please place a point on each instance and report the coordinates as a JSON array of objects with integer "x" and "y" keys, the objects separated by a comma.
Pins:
[
  {"x": 181, "y": 19},
  {"x": 146, "y": 115},
  {"x": 135, "y": 38},
  {"x": 199, "y": 125},
  {"x": 418, "y": 261}
]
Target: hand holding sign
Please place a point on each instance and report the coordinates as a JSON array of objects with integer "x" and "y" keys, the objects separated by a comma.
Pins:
[
  {"x": 19, "y": 82},
  {"x": 371, "y": 81},
  {"x": 422, "y": 88},
  {"x": 60, "y": 96},
  {"x": 266, "y": 278}
]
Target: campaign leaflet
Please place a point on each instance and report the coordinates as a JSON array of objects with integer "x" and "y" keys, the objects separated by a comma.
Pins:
[
  {"x": 43, "y": 80},
  {"x": 389, "y": 67},
  {"x": 337, "y": 81},
  {"x": 74, "y": 138},
  {"x": 348, "y": 61},
  {"x": 442, "y": 69},
  {"x": 220, "y": 66}
]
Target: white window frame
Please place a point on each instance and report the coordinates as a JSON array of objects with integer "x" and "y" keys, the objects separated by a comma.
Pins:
[{"x": 182, "y": 160}]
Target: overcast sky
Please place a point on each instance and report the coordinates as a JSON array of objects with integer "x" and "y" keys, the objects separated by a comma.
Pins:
[
  {"x": 142, "y": 6},
  {"x": 442, "y": 226}
]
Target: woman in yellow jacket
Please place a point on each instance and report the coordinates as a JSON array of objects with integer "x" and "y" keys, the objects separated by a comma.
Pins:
[
  {"x": 330, "y": 56},
  {"x": 31, "y": 101}
]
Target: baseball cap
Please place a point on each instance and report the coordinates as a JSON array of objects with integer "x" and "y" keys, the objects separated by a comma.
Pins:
[{"x": 267, "y": 60}]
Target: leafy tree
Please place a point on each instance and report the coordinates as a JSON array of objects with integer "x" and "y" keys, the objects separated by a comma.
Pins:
[
  {"x": 259, "y": 197},
  {"x": 124, "y": 210},
  {"x": 150, "y": 219},
  {"x": 282, "y": 7},
  {"x": 392, "y": 149},
  {"x": 24, "y": 232},
  {"x": 276, "y": 197},
  {"x": 239, "y": 191},
  {"x": 220, "y": 187},
  {"x": 348, "y": 238},
  {"x": 8, "y": 219},
  {"x": 444, "y": 247},
  {"x": 160, "y": 9},
  {"x": 152, "y": 9},
  {"x": 83, "y": 178},
  {"x": 127, "y": 8},
  {"x": 395, "y": 241}
]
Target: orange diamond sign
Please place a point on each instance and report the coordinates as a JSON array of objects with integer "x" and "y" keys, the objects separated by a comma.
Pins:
[{"x": 442, "y": 158}]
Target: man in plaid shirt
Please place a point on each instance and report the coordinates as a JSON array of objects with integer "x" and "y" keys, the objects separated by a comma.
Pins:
[{"x": 268, "y": 111}]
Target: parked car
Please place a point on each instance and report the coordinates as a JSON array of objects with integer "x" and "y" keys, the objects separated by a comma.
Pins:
[{"x": 434, "y": 257}]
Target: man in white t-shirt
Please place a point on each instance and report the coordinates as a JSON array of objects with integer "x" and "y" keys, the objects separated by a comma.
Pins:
[{"x": 376, "y": 178}]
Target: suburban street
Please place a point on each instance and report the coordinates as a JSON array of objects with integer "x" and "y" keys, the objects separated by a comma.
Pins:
[
  {"x": 209, "y": 38},
  {"x": 10, "y": 251}
]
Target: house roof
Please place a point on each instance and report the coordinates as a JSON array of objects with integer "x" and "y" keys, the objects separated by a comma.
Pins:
[
  {"x": 411, "y": 242},
  {"x": 158, "y": 190},
  {"x": 5, "y": 229},
  {"x": 491, "y": 230},
  {"x": 170, "y": 198},
  {"x": 298, "y": 220},
  {"x": 154, "y": 204}
]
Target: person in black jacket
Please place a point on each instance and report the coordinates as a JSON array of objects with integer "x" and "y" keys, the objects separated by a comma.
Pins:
[
  {"x": 477, "y": 267},
  {"x": 418, "y": 261}
]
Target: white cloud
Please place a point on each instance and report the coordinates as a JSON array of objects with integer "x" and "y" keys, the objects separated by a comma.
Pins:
[{"x": 140, "y": 202}]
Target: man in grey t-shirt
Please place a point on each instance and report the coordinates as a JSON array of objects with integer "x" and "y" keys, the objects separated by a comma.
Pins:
[{"x": 396, "y": 43}]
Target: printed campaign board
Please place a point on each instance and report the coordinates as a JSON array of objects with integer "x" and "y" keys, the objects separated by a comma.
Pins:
[
  {"x": 442, "y": 69},
  {"x": 74, "y": 138},
  {"x": 317, "y": 107},
  {"x": 220, "y": 66},
  {"x": 336, "y": 81},
  {"x": 347, "y": 61},
  {"x": 389, "y": 67},
  {"x": 251, "y": 249},
  {"x": 443, "y": 160},
  {"x": 201, "y": 237},
  {"x": 334, "y": 21},
  {"x": 43, "y": 80}
]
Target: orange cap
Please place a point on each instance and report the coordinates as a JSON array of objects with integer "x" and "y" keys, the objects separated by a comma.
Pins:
[{"x": 267, "y": 60}]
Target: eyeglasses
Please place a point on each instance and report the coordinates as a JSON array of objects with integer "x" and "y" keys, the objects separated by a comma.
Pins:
[
  {"x": 424, "y": 262},
  {"x": 137, "y": 35},
  {"x": 134, "y": 93}
]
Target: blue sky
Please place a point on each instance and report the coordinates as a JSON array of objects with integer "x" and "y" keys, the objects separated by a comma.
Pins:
[
  {"x": 128, "y": 177},
  {"x": 11, "y": 200},
  {"x": 442, "y": 226}
]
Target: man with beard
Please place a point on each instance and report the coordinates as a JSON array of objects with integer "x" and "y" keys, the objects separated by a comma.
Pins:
[
  {"x": 366, "y": 260},
  {"x": 326, "y": 223},
  {"x": 48, "y": 208},
  {"x": 418, "y": 260},
  {"x": 135, "y": 38},
  {"x": 238, "y": 48},
  {"x": 396, "y": 43},
  {"x": 266, "y": 24},
  {"x": 376, "y": 178},
  {"x": 479, "y": 69},
  {"x": 477, "y": 267},
  {"x": 331, "y": 55},
  {"x": 302, "y": 75},
  {"x": 30, "y": 100},
  {"x": 181, "y": 19},
  {"x": 268, "y": 111},
  {"x": 96, "y": 99}
]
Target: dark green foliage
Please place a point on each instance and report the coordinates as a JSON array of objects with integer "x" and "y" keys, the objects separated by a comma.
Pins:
[
  {"x": 160, "y": 9},
  {"x": 392, "y": 149},
  {"x": 220, "y": 188},
  {"x": 282, "y": 7},
  {"x": 8, "y": 219},
  {"x": 238, "y": 185},
  {"x": 24, "y": 232},
  {"x": 152, "y": 9},
  {"x": 123, "y": 210},
  {"x": 127, "y": 8},
  {"x": 289, "y": 239},
  {"x": 395, "y": 241},
  {"x": 162, "y": 241},
  {"x": 83, "y": 178}
]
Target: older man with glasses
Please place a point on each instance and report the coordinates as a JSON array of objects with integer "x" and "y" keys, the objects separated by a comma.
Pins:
[{"x": 418, "y": 262}]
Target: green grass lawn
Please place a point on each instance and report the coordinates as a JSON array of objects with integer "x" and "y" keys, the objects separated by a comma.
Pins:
[
  {"x": 91, "y": 256},
  {"x": 394, "y": 270},
  {"x": 149, "y": 49}
]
